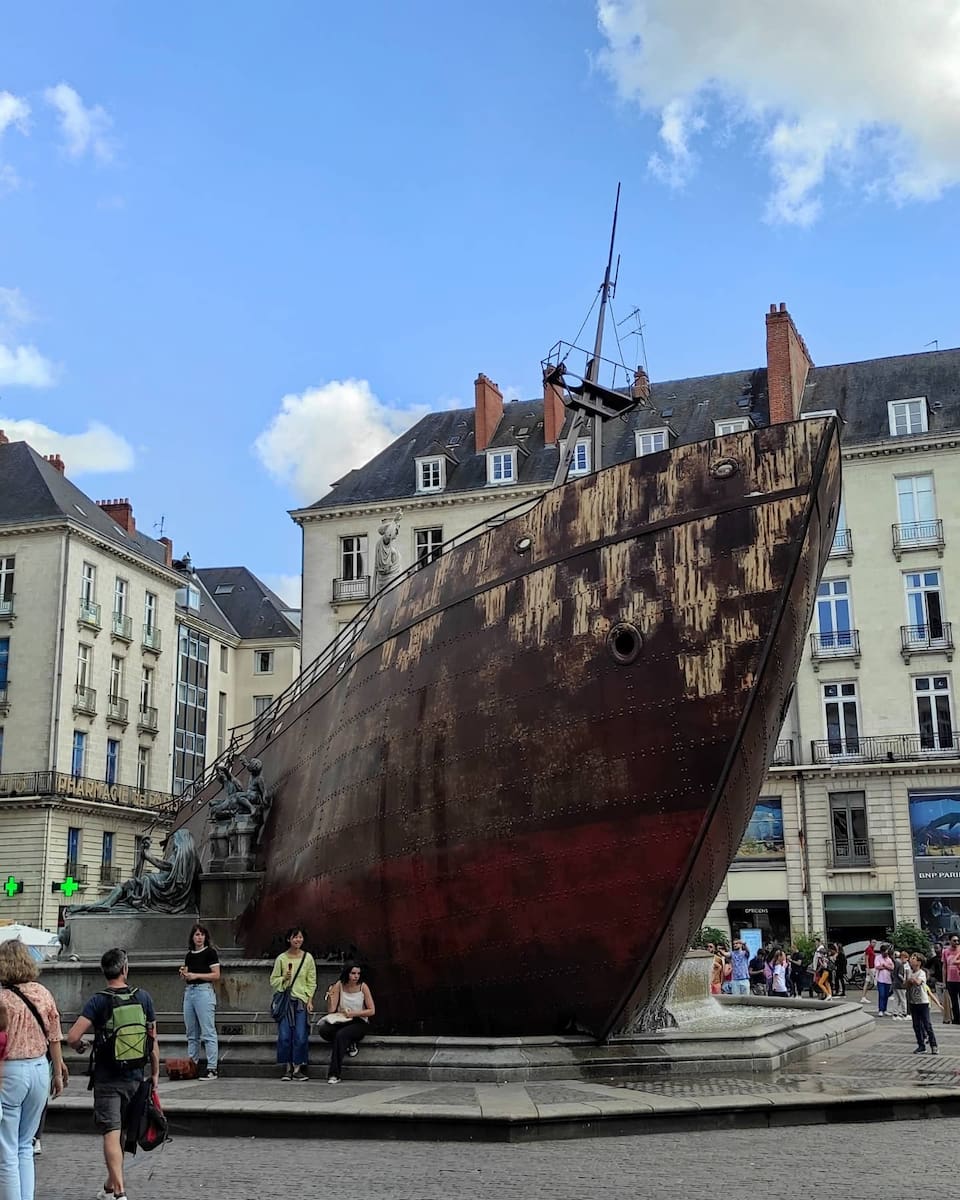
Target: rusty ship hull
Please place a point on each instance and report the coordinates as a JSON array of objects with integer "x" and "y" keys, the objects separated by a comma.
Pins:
[{"x": 519, "y": 793}]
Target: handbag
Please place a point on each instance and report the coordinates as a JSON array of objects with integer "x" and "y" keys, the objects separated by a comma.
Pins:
[
  {"x": 328, "y": 1020},
  {"x": 280, "y": 1001}
]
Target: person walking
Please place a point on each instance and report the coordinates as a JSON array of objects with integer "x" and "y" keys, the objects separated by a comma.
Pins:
[
  {"x": 294, "y": 971},
  {"x": 884, "y": 968},
  {"x": 124, "y": 1025},
  {"x": 951, "y": 976},
  {"x": 840, "y": 970},
  {"x": 821, "y": 972},
  {"x": 919, "y": 1000},
  {"x": 798, "y": 972},
  {"x": 200, "y": 971},
  {"x": 934, "y": 969},
  {"x": 348, "y": 997},
  {"x": 870, "y": 971},
  {"x": 33, "y": 1029}
]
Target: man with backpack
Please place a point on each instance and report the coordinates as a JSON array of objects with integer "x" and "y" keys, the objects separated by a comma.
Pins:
[{"x": 125, "y": 1041}]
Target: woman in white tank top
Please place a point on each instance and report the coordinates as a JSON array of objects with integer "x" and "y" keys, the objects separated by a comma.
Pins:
[{"x": 348, "y": 997}]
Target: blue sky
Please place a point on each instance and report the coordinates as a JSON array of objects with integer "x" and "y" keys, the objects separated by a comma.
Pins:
[{"x": 242, "y": 246}]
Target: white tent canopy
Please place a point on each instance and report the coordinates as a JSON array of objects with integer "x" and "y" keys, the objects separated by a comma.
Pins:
[{"x": 47, "y": 943}]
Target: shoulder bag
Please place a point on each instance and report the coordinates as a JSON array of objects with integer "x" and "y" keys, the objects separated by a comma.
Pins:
[{"x": 280, "y": 1002}]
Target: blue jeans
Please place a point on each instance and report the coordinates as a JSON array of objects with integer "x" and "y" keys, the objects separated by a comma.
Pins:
[
  {"x": 740, "y": 987},
  {"x": 293, "y": 1045},
  {"x": 25, "y": 1091},
  {"x": 883, "y": 995},
  {"x": 199, "y": 1016}
]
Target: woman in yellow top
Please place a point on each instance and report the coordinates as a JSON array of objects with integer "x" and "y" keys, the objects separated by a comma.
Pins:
[{"x": 294, "y": 970}]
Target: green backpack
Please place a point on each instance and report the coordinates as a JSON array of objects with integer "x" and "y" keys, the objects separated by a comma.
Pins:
[{"x": 124, "y": 1040}]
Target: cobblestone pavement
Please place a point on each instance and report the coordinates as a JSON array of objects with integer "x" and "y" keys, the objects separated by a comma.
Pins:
[{"x": 777, "y": 1162}]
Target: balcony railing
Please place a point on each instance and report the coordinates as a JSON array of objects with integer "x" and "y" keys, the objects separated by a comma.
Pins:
[
  {"x": 77, "y": 871},
  {"x": 784, "y": 754},
  {"x": 842, "y": 544},
  {"x": 918, "y": 535},
  {"x": 351, "y": 589},
  {"x": 121, "y": 627},
  {"x": 151, "y": 638},
  {"x": 79, "y": 787},
  {"x": 842, "y": 643},
  {"x": 849, "y": 852},
  {"x": 4, "y": 696},
  {"x": 918, "y": 639},
  {"x": 7, "y": 608},
  {"x": 85, "y": 700},
  {"x": 110, "y": 875},
  {"x": 891, "y": 747},
  {"x": 148, "y": 719},
  {"x": 89, "y": 613},
  {"x": 117, "y": 708}
]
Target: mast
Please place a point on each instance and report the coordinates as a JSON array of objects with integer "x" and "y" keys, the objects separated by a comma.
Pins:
[{"x": 593, "y": 367}]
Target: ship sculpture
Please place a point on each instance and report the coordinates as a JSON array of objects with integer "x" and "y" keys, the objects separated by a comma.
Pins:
[{"x": 517, "y": 783}]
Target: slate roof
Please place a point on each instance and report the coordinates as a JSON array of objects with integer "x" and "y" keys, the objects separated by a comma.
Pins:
[
  {"x": 209, "y": 610},
  {"x": 31, "y": 489},
  {"x": 859, "y": 392},
  {"x": 252, "y": 609}
]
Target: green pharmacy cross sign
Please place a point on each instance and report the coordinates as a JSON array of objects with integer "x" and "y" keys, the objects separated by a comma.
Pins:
[
  {"x": 13, "y": 886},
  {"x": 68, "y": 886}
]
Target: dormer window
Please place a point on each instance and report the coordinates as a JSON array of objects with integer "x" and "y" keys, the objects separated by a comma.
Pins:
[
  {"x": 649, "y": 441},
  {"x": 431, "y": 474},
  {"x": 501, "y": 466},
  {"x": 580, "y": 463},
  {"x": 734, "y": 425},
  {"x": 907, "y": 416}
]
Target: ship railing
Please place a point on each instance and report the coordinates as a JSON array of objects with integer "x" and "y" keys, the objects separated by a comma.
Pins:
[{"x": 254, "y": 735}]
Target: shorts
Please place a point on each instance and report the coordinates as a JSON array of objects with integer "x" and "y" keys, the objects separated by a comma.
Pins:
[{"x": 110, "y": 1102}]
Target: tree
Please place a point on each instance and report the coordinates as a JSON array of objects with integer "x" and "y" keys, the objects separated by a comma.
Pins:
[
  {"x": 910, "y": 937},
  {"x": 806, "y": 943},
  {"x": 709, "y": 933}
]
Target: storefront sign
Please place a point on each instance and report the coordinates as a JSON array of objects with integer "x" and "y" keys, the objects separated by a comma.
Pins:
[
  {"x": 57, "y": 783},
  {"x": 935, "y": 829}
]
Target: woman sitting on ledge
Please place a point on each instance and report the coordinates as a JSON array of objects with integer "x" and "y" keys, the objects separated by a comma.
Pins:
[{"x": 351, "y": 998}]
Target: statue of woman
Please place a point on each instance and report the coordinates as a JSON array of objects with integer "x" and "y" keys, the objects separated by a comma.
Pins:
[
  {"x": 170, "y": 889},
  {"x": 388, "y": 553}
]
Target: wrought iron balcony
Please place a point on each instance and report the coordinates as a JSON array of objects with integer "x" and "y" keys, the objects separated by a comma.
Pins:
[
  {"x": 77, "y": 871},
  {"x": 918, "y": 535},
  {"x": 842, "y": 643},
  {"x": 117, "y": 708},
  {"x": 151, "y": 638},
  {"x": 891, "y": 747},
  {"x": 4, "y": 696},
  {"x": 121, "y": 627},
  {"x": 842, "y": 544},
  {"x": 85, "y": 700},
  {"x": 849, "y": 852},
  {"x": 148, "y": 719},
  {"x": 918, "y": 639},
  {"x": 784, "y": 754},
  {"x": 7, "y": 608},
  {"x": 110, "y": 874},
  {"x": 89, "y": 614},
  {"x": 351, "y": 589}
]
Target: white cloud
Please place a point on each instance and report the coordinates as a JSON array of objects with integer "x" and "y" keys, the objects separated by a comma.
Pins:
[
  {"x": 84, "y": 129},
  {"x": 827, "y": 87},
  {"x": 14, "y": 110},
  {"x": 25, "y": 366},
  {"x": 98, "y": 449},
  {"x": 288, "y": 587},
  {"x": 14, "y": 309},
  {"x": 324, "y": 432}
]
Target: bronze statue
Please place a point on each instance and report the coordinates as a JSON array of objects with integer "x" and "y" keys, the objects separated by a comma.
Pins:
[
  {"x": 236, "y": 801},
  {"x": 170, "y": 889}
]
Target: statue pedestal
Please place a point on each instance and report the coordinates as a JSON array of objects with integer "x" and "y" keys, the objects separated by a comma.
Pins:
[
  {"x": 224, "y": 895},
  {"x": 242, "y": 836},
  {"x": 219, "y": 842},
  {"x": 142, "y": 935}
]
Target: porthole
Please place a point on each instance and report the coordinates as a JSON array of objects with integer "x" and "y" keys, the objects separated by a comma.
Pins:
[
  {"x": 625, "y": 642},
  {"x": 724, "y": 468}
]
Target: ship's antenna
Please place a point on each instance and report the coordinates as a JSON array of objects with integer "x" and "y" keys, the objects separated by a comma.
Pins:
[{"x": 593, "y": 366}]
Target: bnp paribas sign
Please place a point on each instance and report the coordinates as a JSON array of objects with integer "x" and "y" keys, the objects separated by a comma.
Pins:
[{"x": 935, "y": 829}]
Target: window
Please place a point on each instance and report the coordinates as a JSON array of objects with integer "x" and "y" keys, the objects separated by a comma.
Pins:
[
  {"x": 934, "y": 712},
  {"x": 734, "y": 425},
  {"x": 84, "y": 655},
  {"x": 120, "y": 597},
  {"x": 146, "y": 687},
  {"x": 143, "y": 769},
  {"x": 430, "y": 474},
  {"x": 106, "y": 850},
  {"x": 263, "y": 662},
  {"x": 190, "y": 723},
  {"x": 427, "y": 543},
  {"x": 113, "y": 760},
  {"x": 116, "y": 677},
  {"x": 848, "y": 820},
  {"x": 223, "y": 589},
  {"x": 73, "y": 845},
  {"x": 221, "y": 723},
  {"x": 149, "y": 612},
  {"x": 353, "y": 557},
  {"x": 1, "y": 743},
  {"x": 841, "y": 535},
  {"x": 88, "y": 588},
  {"x": 907, "y": 416},
  {"x": 834, "y": 624},
  {"x": 79, "y": 756},
  {"x": 6, "y": 583},
  {"x": 224, "y": 660},
  {"x": 261, "y": 704},
  {"x": 501, "y": 466},
  {"x": 916, "y": 504},
  {"x": 841, "y": 718},
  {"x": 4, "y": 662},
  {"x": 580, "y": 463},
  {"x": 924, "y": 608},
  {"x": 652, "y": 440}
]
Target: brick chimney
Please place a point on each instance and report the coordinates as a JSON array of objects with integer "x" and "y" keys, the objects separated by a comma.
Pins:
[
  {"x": 489, "y": 410},
  {"x": 121, "y": 512},
  {"x": 4, "y": 440},
  {"x": 56, "y": 461},
  {"x": 788, "y": 362},
  {"x": 168, "y": 551},
  {"x": 553, "y": 412}
]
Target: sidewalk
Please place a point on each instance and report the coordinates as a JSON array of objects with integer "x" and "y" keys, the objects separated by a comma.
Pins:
[{"x": 874, "y": 1077}]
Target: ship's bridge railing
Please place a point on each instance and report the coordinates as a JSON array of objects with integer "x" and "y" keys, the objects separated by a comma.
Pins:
[{"x": 258, "y": 732}]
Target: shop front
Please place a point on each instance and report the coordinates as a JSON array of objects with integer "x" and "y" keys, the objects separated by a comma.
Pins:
[
  {"x": 935, "y": 829},
  {"x": 771, "y": 917},
  {"x": 850, "y": 919}
]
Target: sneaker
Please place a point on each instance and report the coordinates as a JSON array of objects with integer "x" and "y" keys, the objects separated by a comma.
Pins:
[
  {"x": 332, "y": 1079},
  {"x": 863, "y": 1000},
  {"x": 300, "y": 1076},
  {"x": 353, "y": 1050},
  {"x": 37, "y": 1148},
  {"x": 211, "y": 1075},
  {"x": 934, "y": 1049},
  {"x": 920, "y": 1050},
  {"x": 106, "y": 1194},
  {"x": 287, "y": 1074}
]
